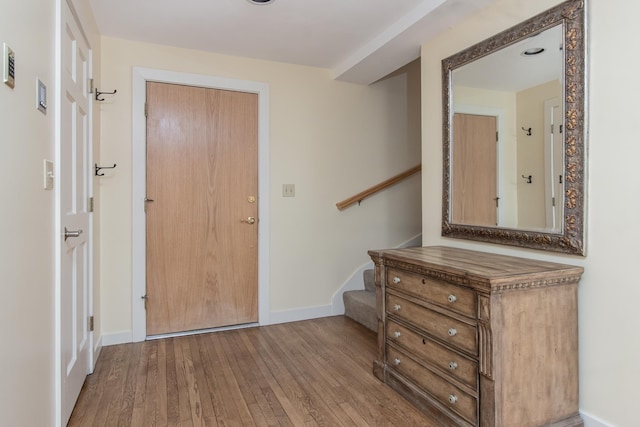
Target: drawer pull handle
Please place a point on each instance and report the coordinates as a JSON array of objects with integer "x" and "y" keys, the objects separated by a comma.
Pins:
[
  {"x": 396, "y": 307},
  {"x": 453, "y": 332},
  {"x": 396, "y": 280},
  {"x": 453, "y": 366},
  {"x": 453, "y": 399},
  {"x": 397, "y": 334},
  {"x": 396, "y": 361},
  {"x": 452, "y": 298}
]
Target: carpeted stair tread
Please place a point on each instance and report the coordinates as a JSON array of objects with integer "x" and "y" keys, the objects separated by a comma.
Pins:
[
  {"x": 369, "y": 280},
  {"x": 361, "y": 306}
]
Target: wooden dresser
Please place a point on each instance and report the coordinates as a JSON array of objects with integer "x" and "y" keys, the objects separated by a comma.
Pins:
[{"x": 476, "y": 339}]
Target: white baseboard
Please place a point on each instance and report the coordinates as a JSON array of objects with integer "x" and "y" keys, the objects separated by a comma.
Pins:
[
  {"x": 356, "y": 282},
  {"x": 97, "y": 349},
  {"x": 296, "y": 314},
  {"x": 275, "y": 317},
  {"x": 591, "y": 421},
  {"x": 353, "y": 283},
  {"x": 117, "y": 338}
]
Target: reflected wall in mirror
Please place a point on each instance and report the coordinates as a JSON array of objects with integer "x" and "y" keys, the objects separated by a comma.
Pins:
[{"x": 514, "y": 137}]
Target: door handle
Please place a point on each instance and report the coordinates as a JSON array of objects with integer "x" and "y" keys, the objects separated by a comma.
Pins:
[
  {"x": 70, "y": 233},
  {"x": 147, "y": 201},
  {"x": 250, "y": 220}
]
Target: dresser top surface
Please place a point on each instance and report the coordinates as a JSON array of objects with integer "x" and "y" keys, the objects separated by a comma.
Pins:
[{"x": 479, "y": 265}]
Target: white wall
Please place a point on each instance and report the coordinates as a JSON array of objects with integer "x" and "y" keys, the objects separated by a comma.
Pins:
[
  {"x": 27, "y": 269},
  {"x": 331, "y": 139},
  {"x": 531, "y": 149},
  {"x": 609, "y": 291},
  {"x": 26, "y": 225}
]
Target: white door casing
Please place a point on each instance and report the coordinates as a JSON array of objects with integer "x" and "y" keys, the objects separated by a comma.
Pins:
[
  {"x": 553, "y": 164},
  {"x": 74, "y": 356},
  {"x": 140, "y": 78}
]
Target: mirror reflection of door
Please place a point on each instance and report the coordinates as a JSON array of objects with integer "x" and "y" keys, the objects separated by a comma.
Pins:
[
  {"x": 554, "y": 163},
  {"x": 474, "y": 179}
]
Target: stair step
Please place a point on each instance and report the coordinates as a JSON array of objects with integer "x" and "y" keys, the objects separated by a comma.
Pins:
[
  {"x": 361, "y": 307},
  {"x": 369, "y": 280}
]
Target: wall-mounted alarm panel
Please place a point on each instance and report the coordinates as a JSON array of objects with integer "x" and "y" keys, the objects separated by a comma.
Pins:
[{"x": 9, "y": 66}]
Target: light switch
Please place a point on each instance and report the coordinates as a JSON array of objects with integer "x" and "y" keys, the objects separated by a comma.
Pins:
[
  {"x": 48, "y": 175},
  {"x": 288, "y": 190},
  {"x": 9, "y": 59}
]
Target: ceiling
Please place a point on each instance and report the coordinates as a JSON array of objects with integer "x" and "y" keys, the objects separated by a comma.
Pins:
[
  {"x": 359, "y": 41},
  {"x": 508, "y": 70}
]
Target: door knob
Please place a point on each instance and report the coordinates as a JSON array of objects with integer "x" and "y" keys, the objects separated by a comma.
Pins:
[
  {"x": 70, "y": 233},
  {"x": 146, "y": 202},
  {"x": 250, "y": 220}
]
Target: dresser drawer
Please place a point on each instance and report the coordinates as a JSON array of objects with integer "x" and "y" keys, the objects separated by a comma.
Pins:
[
  {"x": 449, "y": 362},
  {"x": 445, "y": 294},
  {"x": 449, "y": 395},
  {"x": 452, "y": 331}
]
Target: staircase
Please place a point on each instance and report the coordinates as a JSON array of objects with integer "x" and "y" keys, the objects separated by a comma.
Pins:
[{"x": 360, "y": 305}]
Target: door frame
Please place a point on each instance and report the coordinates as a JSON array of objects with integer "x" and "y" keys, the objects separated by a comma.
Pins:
[
  {"x": 139, "y": 171},
  {"x": 551, "y": 212},
  {"x": 502, "y": 158}
]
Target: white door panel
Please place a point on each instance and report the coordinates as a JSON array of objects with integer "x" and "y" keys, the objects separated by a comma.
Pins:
[
  {"x": 554, "y": 163},
  {"x": 73, "y": 174}
]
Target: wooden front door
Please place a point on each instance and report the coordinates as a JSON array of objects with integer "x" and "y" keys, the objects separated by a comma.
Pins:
[
  {"x": 475, "y": 170},
  {"x": 202, "y": 208}
]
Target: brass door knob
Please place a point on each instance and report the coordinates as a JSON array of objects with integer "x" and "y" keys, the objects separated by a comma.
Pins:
[{"x": 250, "y": 220}]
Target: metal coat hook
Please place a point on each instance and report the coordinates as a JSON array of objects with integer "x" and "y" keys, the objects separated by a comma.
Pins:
[
  {"x": 98, "y": 93},
  {"x": 528, "y": 131},
  {"x": 98, "y": 173},
  {"x": 528, "y": 178}
]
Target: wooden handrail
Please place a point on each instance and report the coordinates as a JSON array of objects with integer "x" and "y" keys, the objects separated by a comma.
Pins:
[{"x": 371, "y": 191}]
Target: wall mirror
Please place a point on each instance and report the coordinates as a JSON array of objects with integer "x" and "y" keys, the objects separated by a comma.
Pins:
[{"x": 514, "y": 135}]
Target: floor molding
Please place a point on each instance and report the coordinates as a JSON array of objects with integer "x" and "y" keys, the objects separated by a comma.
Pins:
[
  {"x": 117, "y": 338},
  {"x": 275, "y": 317},
  {"x": 592, "y": 421},
  {"x": 297, "y": 314},
  {"x": 356, "y": 282}
]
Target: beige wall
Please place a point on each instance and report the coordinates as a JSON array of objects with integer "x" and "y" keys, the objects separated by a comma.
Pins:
[
  {"x": 530, "y": 114},
  {"x": 331, "y": 139},
  {"x": 26, "y": 226},
  {"x": 27, "y": 268},
  {"x": 609, "y": 335}
]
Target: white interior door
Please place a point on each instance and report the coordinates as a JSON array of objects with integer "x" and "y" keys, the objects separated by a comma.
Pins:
[
  {"x": 74, "y": 237},
  {"x": 554, "y": 163},
  {"x": 558, "y": 168}
]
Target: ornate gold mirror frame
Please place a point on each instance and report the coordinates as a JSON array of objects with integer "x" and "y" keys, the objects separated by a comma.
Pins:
[{"x": 571, "y": 237}]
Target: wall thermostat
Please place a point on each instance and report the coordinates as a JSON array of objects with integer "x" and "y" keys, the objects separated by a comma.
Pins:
[{"x": 9, "y": 66}]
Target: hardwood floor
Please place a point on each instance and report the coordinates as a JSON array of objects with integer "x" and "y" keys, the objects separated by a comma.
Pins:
[{"x": 310, "y": 373}]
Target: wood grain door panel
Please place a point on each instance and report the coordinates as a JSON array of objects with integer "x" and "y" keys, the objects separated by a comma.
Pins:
[
  {"x": 202, "y": 161},
  {"x": 474, "y": 165}
]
